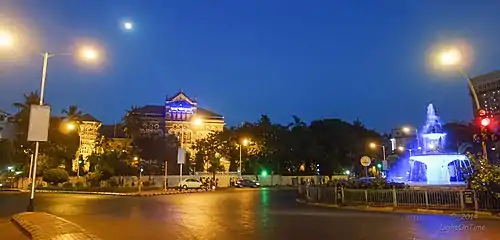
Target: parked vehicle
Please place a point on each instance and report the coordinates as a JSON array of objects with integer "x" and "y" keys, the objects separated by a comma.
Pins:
[
  {"x": 241, "y": 183},
  {"x": 190, "y": 183}
]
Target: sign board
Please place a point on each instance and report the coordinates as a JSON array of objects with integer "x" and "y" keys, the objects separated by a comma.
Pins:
[
  {"x": 365, "y": 161},
  {"x": 181, "y": 156},
  {"x": 38, "y": 130},
  {"x": 385, "y": 165}
]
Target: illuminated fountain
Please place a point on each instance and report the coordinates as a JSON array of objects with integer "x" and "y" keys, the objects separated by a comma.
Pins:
[{"x": 434, "y": 166}]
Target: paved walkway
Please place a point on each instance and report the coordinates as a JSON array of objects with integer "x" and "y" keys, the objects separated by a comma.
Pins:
[{"x": 9, "y": 231}]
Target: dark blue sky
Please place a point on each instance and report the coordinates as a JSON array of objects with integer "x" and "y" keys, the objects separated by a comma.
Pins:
[{"x": 315, "y": 59}]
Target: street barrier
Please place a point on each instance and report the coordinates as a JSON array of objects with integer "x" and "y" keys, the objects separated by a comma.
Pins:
[{"x": 401, "y": 198}]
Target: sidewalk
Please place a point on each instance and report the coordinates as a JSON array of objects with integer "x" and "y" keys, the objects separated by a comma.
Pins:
[
  {"x": 457, "y": 214},
  {"x": 9, "y": 231}
]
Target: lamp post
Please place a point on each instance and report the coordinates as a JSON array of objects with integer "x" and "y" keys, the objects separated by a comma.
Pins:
[
  {"x": 403, "y": 149},
  {"x": 244, "y": 142},
  {"x": 452, "y": 56},
  {"x": 7, "y": 40},
  {"x": 407, "y": 130},
  {"x": 196, "y": 122}
]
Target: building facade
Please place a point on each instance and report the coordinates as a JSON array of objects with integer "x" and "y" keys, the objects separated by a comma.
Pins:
[
  {"x": 487, "y": 87},
  {"x": 175, "y": 117},
  {"x": 88, "y": 130}
]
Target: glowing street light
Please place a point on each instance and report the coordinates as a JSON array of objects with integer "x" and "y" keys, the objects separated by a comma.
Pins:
[
  {"x": 452, "y": 56},
  {"x": 244, "y": 142},
  {"x": 197, "y": 121},
  {"x": 6, "y": 39},
  {"x": 70, "y": 126},
  {"x": 408, "y": 130},
  {"x": 374, "y": 145},
  {"x": 88, "y": 53}
]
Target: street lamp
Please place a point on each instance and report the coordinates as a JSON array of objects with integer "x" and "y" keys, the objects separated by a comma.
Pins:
[
  {"x": 46, "y": 56},
  {"x": 407, "y": 130},
  {"x": 70, "y": 126},
  {"x": 374, "y": 145},
  {"x": 6, "y": 39},
  {"x": 402, "y": 149},
  {"x": 452, "y": 56},
  {"x": 195, "y": 121},
  {"x": 244, "y": 142}
]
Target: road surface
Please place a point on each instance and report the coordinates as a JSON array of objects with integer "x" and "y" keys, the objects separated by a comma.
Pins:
[{"x": 240, "y": 214}]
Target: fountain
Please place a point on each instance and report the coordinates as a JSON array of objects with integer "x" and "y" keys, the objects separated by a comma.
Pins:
[{"x": 432, "y": 165}]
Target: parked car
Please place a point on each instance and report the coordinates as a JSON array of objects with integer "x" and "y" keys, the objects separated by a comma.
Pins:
[
  {"x": 241, "y": 183},
  {"x": 191, "y": 183}
]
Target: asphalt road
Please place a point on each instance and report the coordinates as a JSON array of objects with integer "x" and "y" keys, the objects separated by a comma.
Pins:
[{"x": 240, "y": 214}]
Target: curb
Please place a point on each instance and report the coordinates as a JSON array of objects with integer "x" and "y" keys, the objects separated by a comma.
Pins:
[
  {"x": 132, "y": 194},
  {"x": 457, "y": 214},
  {"x": 44, "y": 226}
]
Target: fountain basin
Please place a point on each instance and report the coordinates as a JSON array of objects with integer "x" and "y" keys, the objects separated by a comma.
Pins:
[{"x": 438, "y": 170}]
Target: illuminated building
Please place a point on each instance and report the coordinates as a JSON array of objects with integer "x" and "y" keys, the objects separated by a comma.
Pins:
[
  {"x": 7, "y": 125},
  {"x": 176, "y": 118},
  {"x": 88, "y": 130},
  {"x": 487, "y": 87}
]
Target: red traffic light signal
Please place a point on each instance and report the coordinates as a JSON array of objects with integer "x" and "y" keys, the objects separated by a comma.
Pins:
[{"x": 485, "y": 122}]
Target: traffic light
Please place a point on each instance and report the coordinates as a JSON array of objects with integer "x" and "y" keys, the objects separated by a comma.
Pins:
[
  {"x": 263, "y": 173},
  {"x": 80, "y": 159},
  {"x": 379, "y": 165},
  {"x": 484, "y": 119}
]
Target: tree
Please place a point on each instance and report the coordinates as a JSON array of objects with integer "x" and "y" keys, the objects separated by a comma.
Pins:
[
  {"x": 132, "y": 122},
  {"x": 55, "y": 176},
  {"x": 72, "y": 113}
]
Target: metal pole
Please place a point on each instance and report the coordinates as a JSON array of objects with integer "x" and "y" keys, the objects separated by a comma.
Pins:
[
  {"x": 383, "y": 150},
  {"x": 366, "y": 172},
  {"x": 31, "y": 205},
  {"x": 240, "y": 162},
  {"x": 166, "y": 179},
  {"x": 418, "y": 138},
  {"x": 140, "y": 176},
  {"x": 478, "y": 106},
  {"x": 182, "y": 146},
  {"x": 31, "y": 169}
]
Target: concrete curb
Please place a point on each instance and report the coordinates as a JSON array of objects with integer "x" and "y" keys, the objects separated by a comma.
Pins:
[
  {"x": 44, "y": 226},
  {"x": 133, "y": 194},
  {"x": 458, "y": 214}
]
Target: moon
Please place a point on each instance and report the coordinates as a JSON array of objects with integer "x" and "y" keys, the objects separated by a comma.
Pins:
[{"x": 128, "y": 25}]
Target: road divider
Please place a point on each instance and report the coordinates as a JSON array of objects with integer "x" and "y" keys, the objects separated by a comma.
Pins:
[
  {"x": 469, "y": 215},
  {"x": 44, "y": 226}
]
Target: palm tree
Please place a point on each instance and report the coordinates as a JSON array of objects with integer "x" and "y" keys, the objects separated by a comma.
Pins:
[
  {"x": 132, "y": 121},
  {"x": 23, "y": 114},
  {"x": 72, "y": 113}
]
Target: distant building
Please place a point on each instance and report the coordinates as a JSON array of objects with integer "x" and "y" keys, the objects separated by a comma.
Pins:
[
  {"x": 7, "y": 126},
  {"x": 88, "y": 130},
  {"x": 175, "y": 117},
  {"x": 487, "y": 87}
]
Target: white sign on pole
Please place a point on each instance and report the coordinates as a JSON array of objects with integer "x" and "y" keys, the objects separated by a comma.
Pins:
[
  {"x": 365, "y": 161},
  {"x": 385, "y": 165},
  {"x": 38, "y": 130},
  {"x": 181, "y": 156}
]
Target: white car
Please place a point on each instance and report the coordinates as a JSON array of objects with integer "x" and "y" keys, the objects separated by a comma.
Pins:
[{"x": 190, "y": 183}]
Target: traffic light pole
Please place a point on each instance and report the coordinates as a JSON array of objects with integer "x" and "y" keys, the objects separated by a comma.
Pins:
[{"x": 478, "y": 108}]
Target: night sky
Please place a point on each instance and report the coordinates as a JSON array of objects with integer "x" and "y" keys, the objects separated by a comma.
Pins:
[{"x": 314, "y": 59}]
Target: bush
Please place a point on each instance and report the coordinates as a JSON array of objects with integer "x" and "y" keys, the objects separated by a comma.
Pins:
[
  {"x": 55, "y": 176},
  {"x": 377, "y": 183},
  {"x": 94, "y": 178},
  {"x": 67, "y": 185},
  {"x": 78, "y": 185}
]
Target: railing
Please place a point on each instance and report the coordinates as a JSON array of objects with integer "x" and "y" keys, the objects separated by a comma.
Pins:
[{"x": 402, "y": 198}]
